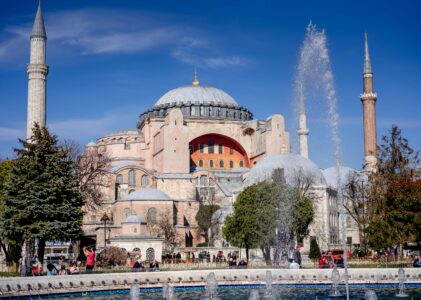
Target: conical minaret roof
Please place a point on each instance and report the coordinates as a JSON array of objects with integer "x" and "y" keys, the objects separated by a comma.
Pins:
[
  {"x": 38, "y": 29},
  {"x": 367, "y": 61}
]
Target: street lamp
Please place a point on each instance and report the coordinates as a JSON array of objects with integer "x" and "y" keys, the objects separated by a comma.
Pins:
[{"x": 105, "y": 219}]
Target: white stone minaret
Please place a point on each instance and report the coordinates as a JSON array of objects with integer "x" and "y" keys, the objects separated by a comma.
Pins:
[
  {"x": 368, "y": 99},
  {"x": 303, "y": 134},
  {"x": 37, "y": 75}
]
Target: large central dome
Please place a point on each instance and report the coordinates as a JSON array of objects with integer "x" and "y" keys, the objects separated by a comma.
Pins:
[{"x": 196, "y": 94}]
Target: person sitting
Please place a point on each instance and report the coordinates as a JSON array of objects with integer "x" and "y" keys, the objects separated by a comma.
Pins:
[
  {"x": 74, "y": 269},
  {"x": 242, "y": 263},
  {"x": 63, "y": 270},
  {"x": 138, "y": 265},
  {"x": 51, "y": 270},
  {"x": 417, "y": 262},
  {"x": 154, "y": 265}
]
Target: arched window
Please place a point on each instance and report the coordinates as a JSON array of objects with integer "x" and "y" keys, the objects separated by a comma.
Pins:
[
  {"x": 145, "y": 180},
  {"x": 221, "y": 163},
  {"x": 132, "y": 177},
  {"x": 201, "y": 163},
  {"x": 241, "y": 164},
  {"x": 131, "y": 191},
  {"x": 126, "y": 213},
  {"x": 151, "y": 216},
  {"x": 211, "y": 144},
  {"x": 220, "y": 149},
  {"x": 234, "y": 115},
  {"x": 150, "y": 254},
  {"x": 119, "y": 179},
  {"x": 211, "y": 163},
  {"x": 227, "y": 113},
  {"x": 231, "y": 164}
]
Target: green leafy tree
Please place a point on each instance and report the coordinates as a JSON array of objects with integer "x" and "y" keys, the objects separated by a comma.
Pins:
[
  {"x": 250, "y": 226},
  {"x": 392, "y": 193},
  {"x": 11, "y": 250},
  {"x": 41, "y": 198},
  {"x": 314, "y": 250},
  {"x": 204, "y": 218}
]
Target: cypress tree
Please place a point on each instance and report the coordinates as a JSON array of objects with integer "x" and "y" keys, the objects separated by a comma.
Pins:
[
  {"x": 41, "y": 199},
  {"x": 314, "y": 250}
]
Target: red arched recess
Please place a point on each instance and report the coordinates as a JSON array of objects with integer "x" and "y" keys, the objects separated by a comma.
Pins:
[{"x": 226, "y": 153}]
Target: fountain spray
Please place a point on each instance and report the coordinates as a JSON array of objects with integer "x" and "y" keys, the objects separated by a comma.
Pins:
[{"x": 314, "y": 67}]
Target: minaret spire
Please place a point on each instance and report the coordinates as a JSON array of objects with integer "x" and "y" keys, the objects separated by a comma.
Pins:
[
  {"x": 38, "y": 29},
  {"x": 303, "y": 135},
  {"x": 196, "y": 80},
  {"x": 367, "y": 61},
  {"x": 368, "y": 99},
  {"x": 37, "y": 75}
]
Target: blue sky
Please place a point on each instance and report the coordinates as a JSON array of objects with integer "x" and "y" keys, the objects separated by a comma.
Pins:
[{"x": 110, "y": 60}]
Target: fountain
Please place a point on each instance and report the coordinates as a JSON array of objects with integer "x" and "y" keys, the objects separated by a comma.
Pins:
[
  {"x": 402, "y": 278},
  {"x": 135, "y": 292},
  {"x": 212, "y": 286},
  {"x": 269, "y": 291},
  {"x": 254, "y": 295},
  {"x": 168, "y": 292},
  {"x": 335, "y": 283},
  {"x": 370, "y": 295},
  {"x": 314, "y": 70}
]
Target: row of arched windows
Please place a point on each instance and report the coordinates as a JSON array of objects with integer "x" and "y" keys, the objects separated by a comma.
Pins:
[
  {"x": 144, "y": 179},
  {"x": 221, "y": 163},
  {"x": 151, "y": 215}
]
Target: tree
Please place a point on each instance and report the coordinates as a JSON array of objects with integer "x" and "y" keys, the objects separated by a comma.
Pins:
[
  {"x": 91, "y": 169},
  {"x": 358, "y": 206},
  {"x": 42, "y": 200},
  {"x": 314, "y": 250},
  {"x": 395, "y": 172},
  {"x": 401, "y": 221},
  {"x": 204, "y": 218},
  {"x": 165, "y": 228},
  {"x": 268, "y": 214},
  {"x": 10, "y": 249},
  {"x": 247, "y": 226}
]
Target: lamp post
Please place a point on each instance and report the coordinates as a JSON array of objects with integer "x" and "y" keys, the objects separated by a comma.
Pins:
[{"x": 105, "y": 219}]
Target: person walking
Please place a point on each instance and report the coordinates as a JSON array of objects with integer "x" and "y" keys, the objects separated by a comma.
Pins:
[{"x": 90, "y": 259}]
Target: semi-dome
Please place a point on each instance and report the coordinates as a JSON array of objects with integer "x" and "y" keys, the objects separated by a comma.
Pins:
[
  {"x": 196, "y": 94},
  {"x": 133, "y": 219},
  {"x": 294, "y": 166},
  {"x": 147, "y": 194},
  {"x": 345, "y": 173}
]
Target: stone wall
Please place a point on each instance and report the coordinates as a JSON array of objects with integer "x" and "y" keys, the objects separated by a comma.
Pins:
[{"x": 34, "y": 286}]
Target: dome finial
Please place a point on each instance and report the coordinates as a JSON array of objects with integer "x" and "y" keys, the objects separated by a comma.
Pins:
[{"x": 195, "y": 81}]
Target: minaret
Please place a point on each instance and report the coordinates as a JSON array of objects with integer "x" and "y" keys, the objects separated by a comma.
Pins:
[
  {"x": 368, "y": 98},
  {"x": 303, "y": 134},
  {"x": 37, "y": 74}
]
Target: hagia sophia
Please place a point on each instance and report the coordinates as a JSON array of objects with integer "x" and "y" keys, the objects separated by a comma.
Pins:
[{"x": 196, "y": 144}]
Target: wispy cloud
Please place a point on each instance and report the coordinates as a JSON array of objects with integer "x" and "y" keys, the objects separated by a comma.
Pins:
[
  {"x": 8, "y": 134},
  {"x": 105, "y": 31}
]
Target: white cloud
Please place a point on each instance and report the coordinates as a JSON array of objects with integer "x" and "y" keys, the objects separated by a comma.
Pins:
[
  {"x": 8, "y": 134},
  {"x": 106, "y": 31}
]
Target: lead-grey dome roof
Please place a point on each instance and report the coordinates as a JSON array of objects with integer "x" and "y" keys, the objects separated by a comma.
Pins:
[
  {"x": 196, "y": 94},
  {"x": 147, "y": 194},
  {"x": 345, "y": 173},
  {"x": 294, "y": 165}
]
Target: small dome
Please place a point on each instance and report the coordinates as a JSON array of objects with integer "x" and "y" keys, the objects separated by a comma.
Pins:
[
  {"x": 331, "y": 175},
  {"x": 147, "y": 194},
  {"x": 133, "y": 219},
  {"x": 196, "y": 94},
  {"x": 220, "y": 215},
  {"x": 294, "y": 165},
  {"x": 90, "y": 144}
]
